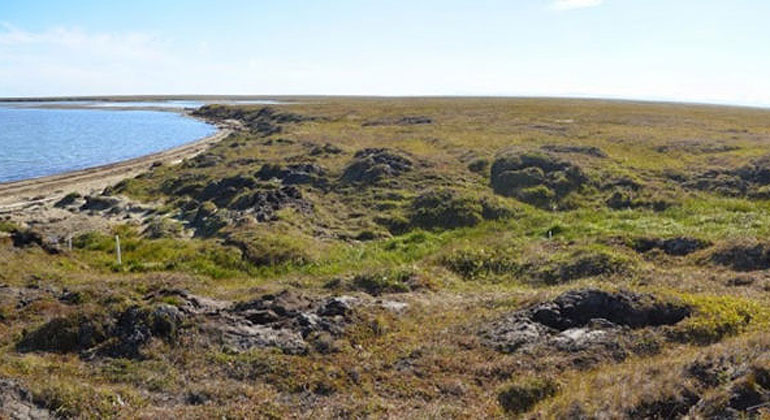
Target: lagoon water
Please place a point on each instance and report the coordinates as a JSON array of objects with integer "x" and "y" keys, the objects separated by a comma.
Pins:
[{"x": 36, "y": 142}]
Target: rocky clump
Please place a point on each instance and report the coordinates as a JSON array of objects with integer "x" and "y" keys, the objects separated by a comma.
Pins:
[
  {"x": 222, "y": 191},
  {"x": 580, "y": 320},
  {"x": 722, "y": 182},
  {"x": 747, "y": 256},
  {"x": 295, "y": 174},
  {"x": 265, "y": 121},
  {"x": 207, "y": 219},
  {"x": 679, "y": 246},
  {"x": 204, "y": 160},
  {"x": 105, "y": 204},
  {"x": 752, "y": 180},
  {"x": 162, "y": 227},
  {"x": 227, "y": 200},
  {"x": 289, "y": 321},
  {"x": 406, "y": 120},
  {"x": 743, "y": 387},
  {"x": 17, "y": 403},
  {"x": 696, "y": 146},
  {"x": 539, "y": 179},
  {"x": 265, "y": 203},
  {"x": 246, "y": 193},
  {"x": 370, "y": 166}
]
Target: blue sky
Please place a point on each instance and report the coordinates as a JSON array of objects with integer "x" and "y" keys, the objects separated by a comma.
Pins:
[{"x": 685, "y": 50}]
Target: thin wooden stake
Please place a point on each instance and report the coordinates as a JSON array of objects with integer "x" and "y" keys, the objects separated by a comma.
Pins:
[
  {"x": 69, "y": 242},
  {"x": 117, "y": 249}
]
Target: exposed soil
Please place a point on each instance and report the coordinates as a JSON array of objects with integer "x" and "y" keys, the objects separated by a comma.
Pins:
[
  {"x": 748, "y": 256},
  {"x": 407, "y": 120},
  {"x": 680, "y": 246},
  {"x": 17, "y": 403},
  {"x": 292, "y": 322},
  {"x": 580, "y": 320}
]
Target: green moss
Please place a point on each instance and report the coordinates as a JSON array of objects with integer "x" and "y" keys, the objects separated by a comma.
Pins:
[
  {"x": 6, "y": 226},
  {"x": 481, "y": 263},
  {"x": 445, "y": 209},
  {"x": 390, "y": 281},
  {"x": 540, "y": 196},
  {"x": 717, "y": 317},
  {"x": 577, "y": 264}
]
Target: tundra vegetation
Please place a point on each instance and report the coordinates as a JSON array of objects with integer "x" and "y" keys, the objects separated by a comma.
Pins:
[{"x": 442, "y": 258}]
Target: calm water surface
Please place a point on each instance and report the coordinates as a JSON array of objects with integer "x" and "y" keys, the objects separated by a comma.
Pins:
[{"x": 38, "y": 142}]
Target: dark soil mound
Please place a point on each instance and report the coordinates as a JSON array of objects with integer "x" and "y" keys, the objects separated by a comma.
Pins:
[
  {"x": 65, "y": 335},
  {"x": 580, "y": 319},
  {"x": 372, "y": 165},
  {"x": 578, "y": 308},
  {"x": 673, "y": 246},
  {"x": 539, "y": 179},
  {"x": 407, "y": 120},
  {"x": 752, "y": 180},
  {"x": 265, "y": 121},
  {"x": 90, "y": 334},
  {"x": 749, "y": 256},
  {"x": 28, "y": 238},
  {"x": 68, "y": 200}
]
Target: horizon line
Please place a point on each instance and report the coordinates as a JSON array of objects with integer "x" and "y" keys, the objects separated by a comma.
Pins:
[{"x": 128, "y": 97}]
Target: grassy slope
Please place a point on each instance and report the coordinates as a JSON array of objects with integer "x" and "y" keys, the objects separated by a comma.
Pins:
[{"x": 450, "y": 373}]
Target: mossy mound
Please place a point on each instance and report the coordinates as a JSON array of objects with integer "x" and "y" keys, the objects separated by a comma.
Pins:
[
  {"x": 540, "y": 179},
  {"x": 370, "y": 166},
  {"x": 575, "y": 265}
]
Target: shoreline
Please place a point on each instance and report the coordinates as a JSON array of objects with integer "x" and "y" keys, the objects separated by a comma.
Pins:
[{"x": 19, "y": 195}]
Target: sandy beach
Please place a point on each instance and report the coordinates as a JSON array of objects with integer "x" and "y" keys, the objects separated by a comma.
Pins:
[{"x": 19, "y": 195}]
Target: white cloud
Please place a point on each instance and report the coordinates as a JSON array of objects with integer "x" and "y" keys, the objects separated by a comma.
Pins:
[{"x": 561, "y": 5}]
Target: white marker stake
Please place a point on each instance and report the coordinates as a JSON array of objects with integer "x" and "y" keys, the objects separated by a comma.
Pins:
[
  {"x": 69, "y": 242},
  {"x": 117, "y": 249}
]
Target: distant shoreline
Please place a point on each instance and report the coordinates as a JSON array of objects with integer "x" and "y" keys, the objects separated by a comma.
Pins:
[{"x": 288, "y": 99}]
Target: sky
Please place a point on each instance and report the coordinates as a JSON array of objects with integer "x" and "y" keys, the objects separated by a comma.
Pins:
[{"x": 714, "y": 51}]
